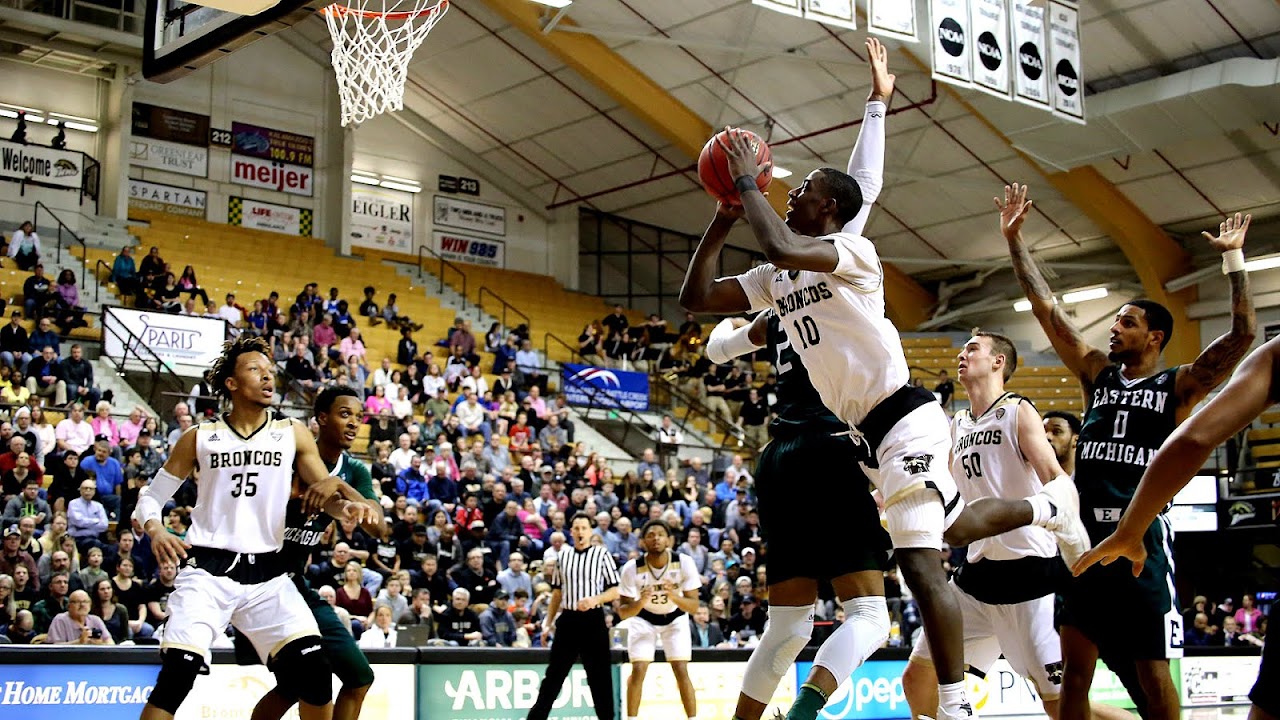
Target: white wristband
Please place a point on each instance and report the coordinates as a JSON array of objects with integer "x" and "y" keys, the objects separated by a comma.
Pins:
[
  {"x": 727, "y": 342},
  {"x": 1233, "y": 261}
]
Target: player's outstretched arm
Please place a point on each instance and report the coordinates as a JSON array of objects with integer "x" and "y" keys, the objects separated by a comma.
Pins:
[
  {"x": 1217, "y": 360},
  {"x": 785, "y": 249},
  {"x": 323, "y": 491},
  {"x": 1083, "y": 360},
  {"x": 1035, "y": 444},
  {"x": 735, "y": 337},
  {"x": 866, "y": 163},
  {"x": 1250, "y": 391},
  {"x": 702, "y": 291},
  {"x": 151, "y": 499}
]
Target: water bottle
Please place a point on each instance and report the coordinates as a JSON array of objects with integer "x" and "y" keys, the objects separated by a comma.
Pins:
[
  {"x": 895, "y": 634},
  {"x": 733, "y": 639}
]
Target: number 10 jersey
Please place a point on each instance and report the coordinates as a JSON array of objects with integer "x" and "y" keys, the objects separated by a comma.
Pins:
[{"x": 244, "y": 489}]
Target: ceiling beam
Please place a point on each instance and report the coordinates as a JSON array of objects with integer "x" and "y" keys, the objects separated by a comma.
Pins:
[{"x": 907, "y": 302}]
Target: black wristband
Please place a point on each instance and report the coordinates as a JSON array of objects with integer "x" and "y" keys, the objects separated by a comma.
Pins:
[{"x": 746, "y": 183}]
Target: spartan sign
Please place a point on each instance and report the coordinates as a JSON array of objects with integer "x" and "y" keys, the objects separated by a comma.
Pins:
[{"x": 917, "y": 464}]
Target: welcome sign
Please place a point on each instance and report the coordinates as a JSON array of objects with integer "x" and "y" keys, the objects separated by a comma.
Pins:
[{"x": 62, "y": 168}]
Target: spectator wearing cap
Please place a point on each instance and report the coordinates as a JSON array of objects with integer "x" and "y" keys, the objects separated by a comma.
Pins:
[
  {"x": 475, "y": 578},
  {"x": 12, "y": 555},
  {"x": 415, "y": 547},
  {"x": 109, "y": 472},
  {"x": 497, "y": 626},
  {"x": 152, "y": 457},
  {"x": 750, "y": 619}
]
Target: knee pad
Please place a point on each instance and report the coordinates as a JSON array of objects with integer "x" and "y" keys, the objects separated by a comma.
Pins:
[
  {"x": 865, "y": 629},
  {"x": 178, "y": 671},
  {"x": 787, "y": 632},
  {"x": 299, "y": 667}
]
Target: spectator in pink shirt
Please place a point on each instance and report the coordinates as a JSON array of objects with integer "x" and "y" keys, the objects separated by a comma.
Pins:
[
  {"x": 1248, "y": 616},
  {"x": 130, "y": 428},
  {"x": 104, "y": 424},
  {"x": 325, "y": 338},
  {"x": 377, "y": 403},
  {"x": 351, "y": 346}
]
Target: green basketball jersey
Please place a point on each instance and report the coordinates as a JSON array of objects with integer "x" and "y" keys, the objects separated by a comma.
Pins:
[
  {"x": 799, "y": 407},
  {"x": 1127, "y": 421},
  {"x": 302, "y": 530}
]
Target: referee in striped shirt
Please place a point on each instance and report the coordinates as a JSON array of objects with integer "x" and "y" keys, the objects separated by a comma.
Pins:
[{"x": 585, "y": 579}]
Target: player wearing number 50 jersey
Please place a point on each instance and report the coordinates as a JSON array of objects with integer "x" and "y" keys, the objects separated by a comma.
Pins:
[
  {"x": 659, "y": 590},
  {"x": 234, "y": 571}
]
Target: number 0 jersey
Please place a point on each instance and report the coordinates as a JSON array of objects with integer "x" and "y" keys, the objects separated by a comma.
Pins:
[
  {"x": 986, "y": 461},
  {"x": 245, "y": 484},
  {"x": 836, "y": 323},
  {"x": 678, "y": 576}
]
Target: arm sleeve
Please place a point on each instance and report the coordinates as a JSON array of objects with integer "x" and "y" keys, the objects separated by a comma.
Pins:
[
  {"x": 727, "y": 342},
  {"x": 755, "y": 283},
  {"x": 859, "y": 263},
  {"x": 866, "y": 163}
]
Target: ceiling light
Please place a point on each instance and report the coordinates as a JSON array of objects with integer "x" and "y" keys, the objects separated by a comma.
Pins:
[
  {"x": 780, "y": 172},
  {"x": 1022, "y": 306},
  {"x": 1081, "y": 295},
  {"x": 364, "y": 179},
  {"x": 82, "y": 126},
  {"x": 406, "y": 181},
  {"x": 1262, "y": 263},
  {"x": 555, "y": 3},
  {"x": 400, "y": 186}
]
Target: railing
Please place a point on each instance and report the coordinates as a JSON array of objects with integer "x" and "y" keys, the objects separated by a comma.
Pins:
[
  {"x": 696, "y": 409},
  {"x": 84, "y": 249},
  {"x": 299, "y": 410},
  {"x": 506, "y": 307},
  {"x": 102, "y": 280},
  {"x": 134, "y": 349},
  {"x": 443, "y": 265},
  {"x": 546, "y": 346},
  {"x": 632, "y": 420}
]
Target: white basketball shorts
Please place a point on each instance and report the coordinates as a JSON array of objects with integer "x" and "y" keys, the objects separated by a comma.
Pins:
[
  {"x": 1023, "y": 632},
  {"x": 920, "y": 496},
  {"x": 643, "y": 637},
  {"x": 271, "y": 614}
]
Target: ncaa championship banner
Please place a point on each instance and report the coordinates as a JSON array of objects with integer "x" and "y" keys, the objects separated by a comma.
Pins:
[
  {"x": 988, "y": 21},
  {"x": 188, "y": 345},
  {"x": 61, "y": 168},
  {"x": 381, "y": 219},
  {"x": 1064, "y": 54},
  {"x": 951, "y": 44},
  {"x": 1027, "y": 26},
  {"x": 600, "y": 387},
  {"x": 167, "y": 199},
  {"x": 268, "y": 216},
  {"x": 490, "y": 692},
  {"x": 892, "y": 18}
]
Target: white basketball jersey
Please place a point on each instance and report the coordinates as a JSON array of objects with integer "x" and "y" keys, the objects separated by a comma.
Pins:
[
  {"x": 836, "y": 323},
  {"x": 986, "y": 461},
  {"x": 677, "y": 577},
  {"x": 245, "y": 484}
]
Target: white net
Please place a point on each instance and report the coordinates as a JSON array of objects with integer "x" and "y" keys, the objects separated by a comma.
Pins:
[{"x": 373, "y": 41}]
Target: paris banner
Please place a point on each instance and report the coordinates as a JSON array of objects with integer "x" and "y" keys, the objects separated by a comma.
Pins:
[{"x": 599, "y": 387}]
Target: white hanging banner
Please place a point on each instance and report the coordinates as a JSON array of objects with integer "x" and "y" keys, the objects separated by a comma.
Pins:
[
  {"x": 1064, "y": 57},
  {"x": 892, "y": 18},
  {"x": 1030, "y": 81},
  {"x": 988, "y": 21},
  {"x": 951, "y": 46},
  {"x": 840, "y": 13},
  {"x": 790, "y": 7}
]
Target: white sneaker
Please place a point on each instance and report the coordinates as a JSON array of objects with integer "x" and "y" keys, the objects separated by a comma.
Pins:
[
  {"x": 964, "y": 712},
  {"x": 1073, "y": 539}
]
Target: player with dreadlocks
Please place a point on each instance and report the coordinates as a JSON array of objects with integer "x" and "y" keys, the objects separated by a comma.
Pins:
[{"x": 233, "y": 570}]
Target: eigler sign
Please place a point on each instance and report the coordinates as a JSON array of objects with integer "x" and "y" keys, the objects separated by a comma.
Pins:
[{"x": 63, "y": 168}]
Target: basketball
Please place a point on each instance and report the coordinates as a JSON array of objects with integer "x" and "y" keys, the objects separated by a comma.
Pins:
[{"x": 713, "y": 168}]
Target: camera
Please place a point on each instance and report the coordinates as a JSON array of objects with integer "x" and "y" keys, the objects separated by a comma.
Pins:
[{"x": 95, "y": 633}]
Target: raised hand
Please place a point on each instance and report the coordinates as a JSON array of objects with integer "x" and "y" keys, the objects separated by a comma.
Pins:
[
  {"x": 1231, "y": 233},
  {"x": 1112, "y": 549},
  {"x": 738, "y": 148},
  {"x": 881, "y": 79},
  {"x": 1013, "y": 211}
]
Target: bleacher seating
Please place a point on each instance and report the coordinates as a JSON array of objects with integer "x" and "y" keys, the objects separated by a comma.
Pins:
[{"x": 1050, "y": 387}]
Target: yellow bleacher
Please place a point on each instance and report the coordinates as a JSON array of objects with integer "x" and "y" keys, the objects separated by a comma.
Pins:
[{"x": 1050, "y": 387}]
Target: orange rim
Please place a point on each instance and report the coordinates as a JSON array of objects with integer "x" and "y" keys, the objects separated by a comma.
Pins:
[{"x": 370, "y": 14}]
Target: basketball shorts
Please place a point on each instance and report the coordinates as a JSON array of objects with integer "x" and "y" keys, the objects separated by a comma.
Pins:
[
  {"x": 1266, "y": 691},
  {"x": 1129, "y": 618},
  {"x": 817, "y": 516},
  {"x": 643, "y": 638},
  {"x": 349, "y": 662},
  {"x": 270, "y": 614},
  {"x": 914, "y": 475},
  {"x": 1023, "y": 632}
]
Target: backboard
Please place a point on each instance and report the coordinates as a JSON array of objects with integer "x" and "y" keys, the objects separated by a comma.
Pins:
[{"x": 181, "y": 37}]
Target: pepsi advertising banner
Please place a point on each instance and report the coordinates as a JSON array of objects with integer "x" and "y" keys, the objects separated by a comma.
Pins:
[
  {"x": 874, "y": 692},
  {"x": 589, "y": 386}
]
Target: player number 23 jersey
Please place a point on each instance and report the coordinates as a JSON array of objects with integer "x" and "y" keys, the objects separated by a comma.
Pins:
[
  {"x": 245, "y": 484},
  {"x": 678, "y": 576}
]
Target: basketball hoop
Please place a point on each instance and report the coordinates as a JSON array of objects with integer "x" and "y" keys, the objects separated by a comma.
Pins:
[{"x": 373, "y": 41}]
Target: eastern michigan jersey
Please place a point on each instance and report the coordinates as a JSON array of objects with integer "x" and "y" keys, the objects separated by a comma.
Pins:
[
  {"x": 836, "y": 323},
  {"x": 1127, "y": 421},
  {"x": 245, "y": 484},
  {"x": 678, "y": 576},
  {"x": 798, "y": 408},
  {"x": 986, "y": 461},
  {"x": 303, "y": 530}
]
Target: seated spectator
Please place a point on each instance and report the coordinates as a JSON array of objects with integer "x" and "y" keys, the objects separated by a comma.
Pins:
[
  {"x": 353, "y": 596},
  {"x": 44, "y": 336},
  {"x": 107, "y": 608},
  {"x": 325, "y": 338},
  {"x": 12, "y": 484},
  {"x": 86, "y": 517},
  {"x": 1200, "y": 633},
  {"x": 78, "y": 374},
  {"x": 73, "y": 433},
  {"x": 12, "y": 556},
  {"x": 497, "y": 626},
  {"x": 27, "y": 503},
  {"x": 459, "y": 624},
  {"x": 53, "y": 604},
  {"x": 88, "y": 576},
  {"x": 419, "y": 612},
  {"x": 15, "y": 346},
  {"x": 706, "y": 634},
  {"x": 383, "y": 632},
  {"x": 24, "y": 246},
  {"x": 77, "y": 626},
  {"x": 66, "y": 308},
  {"x": 188, "y": 284},
  {"x": 109, "y": 473},
  {"x": 530, "y": 366},
  {"x": 412, "y": 484},
  {"x": 352, "y": 347},
  {"x": 369, "y": 307},
  {"x": 302, "y": 369},
  {"x": 47, "y": 379},
  {"x": 132, "y": 594},
  {"x": 37, "y": 292},
  {"x": 479, "y": 582}
]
